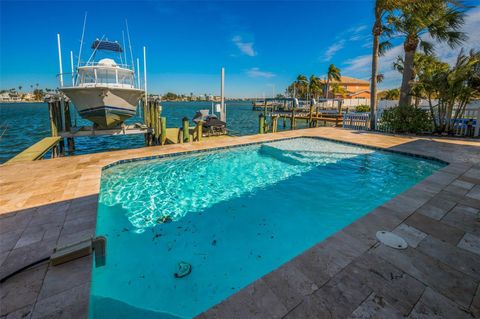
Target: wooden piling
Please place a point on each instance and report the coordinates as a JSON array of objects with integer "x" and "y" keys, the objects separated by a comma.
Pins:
[
  {"x": 199, "y": 130},
  {"x": 274, "y": 124},
  {"x": 68, "y": 125},
  {"x": 310, "y": 123},
  {"x": 292, "y": 119},
  {"x": 163, "y": 131},
  {"x": 186, "y": 130},
  {"x": 53, "y": 111},
  {"x": 261, "y": 124}
]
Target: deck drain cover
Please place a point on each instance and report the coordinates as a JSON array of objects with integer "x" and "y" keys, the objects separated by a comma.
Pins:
[{"x": 391, "y": 240}]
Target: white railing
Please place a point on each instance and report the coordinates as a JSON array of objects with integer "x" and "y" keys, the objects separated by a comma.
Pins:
[
  {"x": 346, "y": 103},
  {"x": 356, "y": 120}
]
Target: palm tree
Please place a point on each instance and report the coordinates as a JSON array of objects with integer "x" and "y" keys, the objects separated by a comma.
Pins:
[
  {"x": 392, "y": 94},
  {"x": 20, "y": 88},
  {"x": 441, "y": 19},
  {"x": 337, "y": 89},
  {"x": 301, "y": 85},
  {"x": 332, "y": 74},
  {"x": 380, "y": 9},
  {"x": 315, "y": 86}
]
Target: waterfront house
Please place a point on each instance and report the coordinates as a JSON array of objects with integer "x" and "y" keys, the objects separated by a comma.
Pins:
[
  {"x": 9, "y": 97},
  {"x": 353, "y": 88}
]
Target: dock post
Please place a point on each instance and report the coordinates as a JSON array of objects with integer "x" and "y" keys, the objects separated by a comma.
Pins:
[
  {"x": 261, "y": 124},
  {"x": 199, "y": 130},
  {"x": 68, "y": 126},
  {"x": 274, "y": 124},
  {"x": 186, "y": 129},
  {"x": 145, "y": 119},
  {"x": 310, "y": 122},
  {"x": 53, "y": 115},
  {"x": 292, "y": 119},
  {"x": 163, "y": 132},
  {"x": 159, "y": 123},
  {"x": 155, "y": 127}
]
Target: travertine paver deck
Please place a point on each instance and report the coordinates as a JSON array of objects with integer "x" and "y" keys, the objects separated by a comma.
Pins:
[{"x": 49, "y": 203}]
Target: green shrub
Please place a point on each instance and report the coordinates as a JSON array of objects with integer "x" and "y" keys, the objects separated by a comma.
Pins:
[
  {"x": 406, "y": 119},
  {"x": 362, "y": 108}
]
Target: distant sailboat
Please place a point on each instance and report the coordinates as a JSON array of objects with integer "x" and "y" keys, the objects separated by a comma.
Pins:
[{"x": 104, "y": 92}]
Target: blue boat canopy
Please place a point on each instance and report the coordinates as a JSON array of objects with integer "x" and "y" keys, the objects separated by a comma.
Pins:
[{"x": 107, "y": 46}]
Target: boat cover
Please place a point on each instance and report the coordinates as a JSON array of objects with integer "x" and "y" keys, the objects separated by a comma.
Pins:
[{"x": 107, "y": 46}]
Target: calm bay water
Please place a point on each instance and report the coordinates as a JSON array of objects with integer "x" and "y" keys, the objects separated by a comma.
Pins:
[{"x": 24, "y": 124}]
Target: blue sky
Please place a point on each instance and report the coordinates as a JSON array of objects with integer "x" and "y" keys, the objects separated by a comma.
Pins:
[{"x": 262, "y": 45}]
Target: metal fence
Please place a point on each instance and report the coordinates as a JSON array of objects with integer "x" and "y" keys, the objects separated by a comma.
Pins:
[{"x": 356, "y": 121}]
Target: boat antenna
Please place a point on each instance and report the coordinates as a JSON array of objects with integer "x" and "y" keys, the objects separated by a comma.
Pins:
[
  {"x": 138, "y": 73},
  {"x": 124, "y": 52},
  {"x": 145, "y": 73},
  {"x": 81, "y": 41},
  {"x": 130, "y": 45},
  {"x": 71, "y": 65}
]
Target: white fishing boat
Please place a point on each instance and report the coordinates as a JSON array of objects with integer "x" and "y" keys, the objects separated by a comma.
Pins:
[{"x": 105, "y": 92}]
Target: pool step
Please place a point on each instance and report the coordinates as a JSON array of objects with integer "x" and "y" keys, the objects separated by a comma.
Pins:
[{"x": 310, "y": 152}]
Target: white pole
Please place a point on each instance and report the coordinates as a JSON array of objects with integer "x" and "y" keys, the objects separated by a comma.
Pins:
[
  {"x": 60, "y": 59},
  {"x": 138, "y": 73},
  {"x": 145, "y": 72},
  {"x": 223, "y": 117},
  {"x": 124, "y": 49},
  {"x": 71, "y": 65}
]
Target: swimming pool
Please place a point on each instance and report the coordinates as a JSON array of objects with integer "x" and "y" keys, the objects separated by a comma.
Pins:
[{"x": 233, "y": 215}]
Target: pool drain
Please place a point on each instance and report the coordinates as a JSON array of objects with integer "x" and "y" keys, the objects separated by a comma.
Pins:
[
  {"x": 391, "y": 240},
  {"x": 183, "y": 269}
]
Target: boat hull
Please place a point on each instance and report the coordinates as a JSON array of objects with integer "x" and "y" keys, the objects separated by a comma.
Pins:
[{"x": 107, "y": 107}]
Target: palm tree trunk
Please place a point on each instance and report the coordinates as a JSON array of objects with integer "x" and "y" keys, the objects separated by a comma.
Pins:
[
  {"x": 377, "y": 31},
  {"x": 410, "y": 47},
  {"x": 327, "y": 88}
]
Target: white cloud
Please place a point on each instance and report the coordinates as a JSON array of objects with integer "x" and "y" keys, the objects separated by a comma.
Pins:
[
  {"x": 361, "y": 67},
  {"x": 334, "y": 48},
  {"x": 257, "y": 73},
  {"x": 245, "y": 47},
  {"x": 358, "y": 29},
  {"x": 352, "y": 34}
]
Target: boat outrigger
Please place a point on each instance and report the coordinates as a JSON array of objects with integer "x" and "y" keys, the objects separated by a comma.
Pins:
[{"x": 104, "y": 92}]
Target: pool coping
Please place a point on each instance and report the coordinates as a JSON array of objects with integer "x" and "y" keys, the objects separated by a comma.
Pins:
[{"x": 291, "y": 288}]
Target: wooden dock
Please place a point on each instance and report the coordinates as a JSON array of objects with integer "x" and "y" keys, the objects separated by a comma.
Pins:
[{"x": 36, "y": 151}]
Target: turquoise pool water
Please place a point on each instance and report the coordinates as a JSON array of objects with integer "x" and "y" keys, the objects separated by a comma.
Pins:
[{"x": 233, "y": 214}]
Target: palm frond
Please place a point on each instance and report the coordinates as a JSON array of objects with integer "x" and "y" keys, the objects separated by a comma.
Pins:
[
  {"x": 383, "y": 47},
  {"x": 426, "y": 47}
]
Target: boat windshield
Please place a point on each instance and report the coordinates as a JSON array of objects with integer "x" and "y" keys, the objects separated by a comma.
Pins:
[{"x": 105, "y": 76}]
